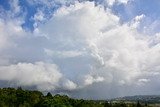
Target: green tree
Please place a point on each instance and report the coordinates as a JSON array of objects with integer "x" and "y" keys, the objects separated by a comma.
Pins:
[
  {"x": 49, "y": 95},
  {"x": 106, "y": 104},
  {"x": 138, "y": 104}
]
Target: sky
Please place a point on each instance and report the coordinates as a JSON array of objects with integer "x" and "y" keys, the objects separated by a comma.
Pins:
[{"x": 92, "y": 49}]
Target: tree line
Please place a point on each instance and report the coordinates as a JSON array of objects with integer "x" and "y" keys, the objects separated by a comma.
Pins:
[{"x": 11, "y": 97}]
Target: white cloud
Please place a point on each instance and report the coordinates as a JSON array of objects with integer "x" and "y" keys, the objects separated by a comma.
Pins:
[
  {"x": 69, "y": 85},
  {"x": 49, "y": 3},
  {"x": 8, "y": 31},
  {"x": 63, "y": 54},
  {"x": 84, "y": 46},
  {"x": 142, "y": 81},
  {"x": 29, "y": 74},
  {"x": 120, "y": 54},
  {"x": 39, "y": 17},
  {"x": 15, "y": 8},
  {"x": 15, "y": 12},
  {"x": 136, "y": 21},
  {"x": 111, "y": 2},
  {"x": 89, "y": 80},
  {"x": 44, "y": 76}
]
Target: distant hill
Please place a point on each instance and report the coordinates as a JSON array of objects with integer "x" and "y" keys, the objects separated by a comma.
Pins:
[{"x": 141, "y": 98}]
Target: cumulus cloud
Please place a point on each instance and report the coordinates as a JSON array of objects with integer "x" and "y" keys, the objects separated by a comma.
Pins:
[
  {"x": 120, "y": 54},
  {"x": 9, "y": 32},
  {"x": 42, "y": 75},
  {"x": 136, "y": 21},
  {"x": 80, "y": 48},
  {"x": 31, "y": 74},
  {"x": 69, "y": 85},
  {"x": 90, "y": 79},
  {"x": 5, "y": 35}
]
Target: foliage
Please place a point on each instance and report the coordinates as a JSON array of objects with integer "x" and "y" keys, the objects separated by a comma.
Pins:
[{"x": 10, "y": 97}]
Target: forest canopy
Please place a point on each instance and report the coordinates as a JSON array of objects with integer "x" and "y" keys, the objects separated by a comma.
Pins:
[{"x": 11, "y": 97}]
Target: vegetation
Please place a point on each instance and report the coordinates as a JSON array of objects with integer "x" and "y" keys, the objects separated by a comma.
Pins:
[{"x": 10, "y": 97}]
